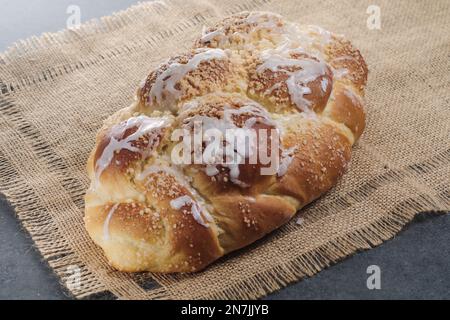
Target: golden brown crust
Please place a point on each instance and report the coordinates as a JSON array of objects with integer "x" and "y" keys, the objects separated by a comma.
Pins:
[
  {"x": 347, "y": 108},
  {"x": 245, "y": 219},
  {"x": 272, "y": 86},
  {"x": 216, "y": 108},
  {"x": 238, "y": 30},
  {"x": 195, "y": 73},
  {"x": 320, "y": 159},
  {"x": 251, "y": 71},
  {"x": 348, "y": 62}
]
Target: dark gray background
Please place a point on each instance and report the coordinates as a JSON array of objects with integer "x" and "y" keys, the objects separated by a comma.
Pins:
[{"x": 414, "y": 265}]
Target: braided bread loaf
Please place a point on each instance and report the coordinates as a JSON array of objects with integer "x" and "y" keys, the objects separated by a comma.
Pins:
[{"x": 253, "y": 71}]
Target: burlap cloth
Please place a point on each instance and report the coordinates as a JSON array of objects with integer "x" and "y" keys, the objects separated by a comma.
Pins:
[{"x": 56, "y": 90}]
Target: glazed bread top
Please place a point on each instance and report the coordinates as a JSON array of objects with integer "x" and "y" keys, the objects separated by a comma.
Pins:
[{"x": 251, "y": 71}]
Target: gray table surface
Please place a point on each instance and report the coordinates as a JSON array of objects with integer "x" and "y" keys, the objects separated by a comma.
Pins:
[{"x": 414, "y": 265}]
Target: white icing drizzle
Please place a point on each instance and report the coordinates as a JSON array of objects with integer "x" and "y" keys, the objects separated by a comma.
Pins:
[
  {"x": 264, "y": 20},
  {"x": 185, "y": 200},
  {"x": 309, "y": 69},
  {"x": 324, "y": 37},
  {"x": 285, "y": 162},
  {"x": 293, "y": 38},
  {"x": 145, "y": 125},
  {"x": 233, "y": 157},
  {"x": 340, "y": 73},
  {"x": 182, "y": 180},
  {"x": 343, "y": 58},
  {"x": 311, "y": 38},
  {"x": 343, "y": 71},
  {"x": 244, "y": 146},
  {"x": 167, "y": 80},
  {"x": 324, "y": 85},
  {"x": 107, "y": 221},
  {"x": 287, "y": 38},
  {"x": 211, "y": 170},
  {"x": 208, "y": 36},
  {"x": 259, "y": 20},
  {"x": 355, "y": 99}
]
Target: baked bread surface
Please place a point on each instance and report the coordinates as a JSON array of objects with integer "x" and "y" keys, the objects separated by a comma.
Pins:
[{"x": 252, "y": 70}]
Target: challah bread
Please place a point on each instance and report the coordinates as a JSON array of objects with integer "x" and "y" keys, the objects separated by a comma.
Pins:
[{"x": 252, "y": 71}]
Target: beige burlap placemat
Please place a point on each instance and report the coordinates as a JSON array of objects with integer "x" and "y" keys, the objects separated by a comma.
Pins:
[{"x": 56, "y": 90}]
